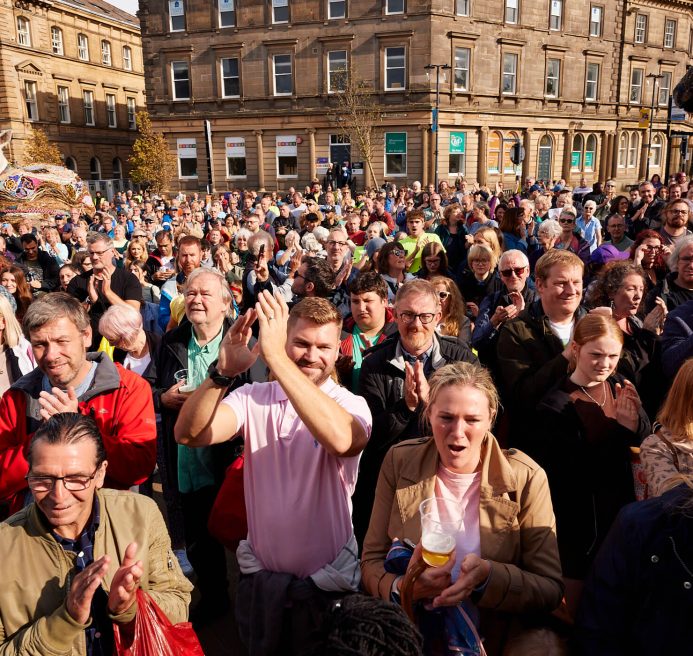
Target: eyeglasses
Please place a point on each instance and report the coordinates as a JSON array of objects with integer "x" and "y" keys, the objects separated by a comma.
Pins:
[
  {"x": 423, "y": 317},
  {"x": 398, "y": 253},
  {"x": 98, "y": 253},
  {"x": 566, "y": 221},
  {"x": 333, "y": 242},
  {"x": 518, "y": 271},
  {"x": 298, "y": 275},
  {"x": 443, "y": 295},
  {"x": 610, "y": 186},
  {"x": 72, "y": 483},
  {"x": 682, "y": 211}
]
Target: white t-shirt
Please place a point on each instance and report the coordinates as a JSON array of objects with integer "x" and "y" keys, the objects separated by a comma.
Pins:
[
  {"x": 138, "y": 365},
  {"x": 563, "y": 331}
]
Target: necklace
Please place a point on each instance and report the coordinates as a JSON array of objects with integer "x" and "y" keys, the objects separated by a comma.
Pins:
[{"x": 601, "y": 405}]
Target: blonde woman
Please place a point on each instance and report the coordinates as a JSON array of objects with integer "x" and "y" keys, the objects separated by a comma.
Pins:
[
  {"x": 453, "y": 320},
  {"x": 668, "y": 452},
  {"x": 480, "y": 278},
  {"x": 16, "y": 358}
]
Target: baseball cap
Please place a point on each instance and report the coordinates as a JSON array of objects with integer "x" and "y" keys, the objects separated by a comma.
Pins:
[{"x": 607, "y": 253}]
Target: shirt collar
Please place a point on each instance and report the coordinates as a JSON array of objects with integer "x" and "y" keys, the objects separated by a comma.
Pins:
[{"x": 87, "y": 535}]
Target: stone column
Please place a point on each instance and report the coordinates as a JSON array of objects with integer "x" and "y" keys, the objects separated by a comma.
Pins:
[
  {"x": 674, "y": 153},
  {"x": 527, "y": 162},
  {"x": 567, "y": 151},
  {"x": 602, "y": 169},
  {"x": 642, "y": 168},
  {"x": 614, "y": 153},
  {"x": 260, "y": 160},
  {"x": 608, "y": 151},
  {"x": 311, "y": 150},
  {"x": 482, "y": 160},
  {"x": 424, "y": 153}
]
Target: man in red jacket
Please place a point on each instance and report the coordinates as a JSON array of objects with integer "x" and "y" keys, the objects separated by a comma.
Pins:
[{"x": 68, "y": 379}]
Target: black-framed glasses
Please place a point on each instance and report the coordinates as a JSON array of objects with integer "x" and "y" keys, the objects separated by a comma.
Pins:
[
  {"x": 72, "y": 482},
  {"x": 299, "y": 275},
  {"x": 397, "y": 252},
  {"x": 98, "y": 253},
  {"x": 423, "y": 317},
  {"x": 333, "y": 242},
  {"x": 518, "y": 271},
  {"x": 566, "y": 221}
]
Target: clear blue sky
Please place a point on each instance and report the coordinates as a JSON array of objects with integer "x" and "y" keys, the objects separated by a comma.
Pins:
[{"x": 130, "y": 6}]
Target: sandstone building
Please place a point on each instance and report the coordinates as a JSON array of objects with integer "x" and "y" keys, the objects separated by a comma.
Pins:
[
  {"x": 243, "y": 88},
  {"x": 75, "y": 69}
]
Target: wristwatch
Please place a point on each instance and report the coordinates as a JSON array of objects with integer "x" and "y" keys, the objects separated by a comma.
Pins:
[{"x": 217, "y": 378}]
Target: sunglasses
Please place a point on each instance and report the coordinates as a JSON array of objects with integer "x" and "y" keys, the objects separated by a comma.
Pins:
[
  {"x": 398, "y": 252},
  {"x": 566, "y": 221},
  {"x": 443, "y": 295},
  {"x": 518, "y": 271}
]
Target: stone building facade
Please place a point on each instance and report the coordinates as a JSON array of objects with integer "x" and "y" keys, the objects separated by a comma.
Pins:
[
  {"x": 76, "y": 71},
  {"x": 245, "y": 90}
]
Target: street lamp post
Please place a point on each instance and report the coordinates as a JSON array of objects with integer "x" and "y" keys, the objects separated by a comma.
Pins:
[
  {"x": 655, "y": 77},
  {"x": 435, "y": 122}
]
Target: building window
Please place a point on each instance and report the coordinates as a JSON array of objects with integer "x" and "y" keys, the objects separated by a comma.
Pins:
[
  {"x": 636, "y": 85},
  {"x": 545, "y": 161},
  {"x": 462, "y": 9},
  {"x": 283, "y": 75},
  {"x": 57, "y": 41},
  {"x": 495, "y": 142},
  {"x": 187, "y": 158},
  {"x": 669, "y": 33},
  {"x": 512, "y": 12},
  {"x": 31, "y": 100},
  {"x": 83, "y": 47},
  {"x": 117, "y": 169},
  {"x": 23, "y": 31},
  {"x": 462, "y": 57},
  {"x": 592, "y": 82},
  {"x": 280, "y": 11},
  {"x": 576, "y": 153},
  {"x": 105, "y": 53},
  {"x": 180, "y": 72},
  {"x": 664, "y": 88},
  {"x": 230, "y": 78},
  {"x": 553, "y": 78},
  {"x": 176, "y": 13},
  {"x": 287, "y": 156},
  {"x": 656, "y": 150},
  {"x": 337, "y": 70},
  {"x": 456, "y": 159},
  {"x": 71, "y": 164},
  {"x": 336, "y": 9},
  {"x": 622, "y": 150},
  {"x": 394, "y": 6},
  {"x": 590, "y": 152},
  {"x": 395, "y": 69},
  {"x": 95, "y": 168},
  {"x": 556, "y": 15},
  {"x": 227, "y": 13},
  {"x": 88, "y": 99},
  {"x": 111, "y": 111},
  {"x": 596, "y": 14},
  {"x": 64, "y": 104},
  {"x": 132, "y": 113},
  {"x": 127, "y": 58},
  {"x": 509, "y": 73},
  {"x": 633, "y": 145},
  {"x": 235, "y": 157},
  {"x": 395, "y": 153},
  {"x": 640, "y": 28}
]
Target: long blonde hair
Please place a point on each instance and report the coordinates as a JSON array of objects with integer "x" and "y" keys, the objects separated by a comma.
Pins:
[
  {"x": 13, "y": 331},
  {"x": 676, "y": 413}
]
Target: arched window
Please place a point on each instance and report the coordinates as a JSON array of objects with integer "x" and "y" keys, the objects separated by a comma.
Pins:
[
  {"x": 23, "y": 31},
  {"x": 622, "y": 150},
  {"x": 633, "y": 144},
  {"x": 495, "y": 141},
  {"x": 57, "y": 41},
  {"x": 71, "y": 164},
  {"x": 656, "y": 150},
  {"x": 117, "y": 168},
  {"x": 545, "y": 159},
  {"x": 509, "y": 140},
  {"x": 95, "y": 168},
  {"x": 576, "y": 153},
  {"x": 590, "y": 152}
]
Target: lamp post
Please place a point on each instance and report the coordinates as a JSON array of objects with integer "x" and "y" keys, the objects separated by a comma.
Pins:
[
  {"x": 435, "y": 122},
  {"x": 655, "y": 77}
]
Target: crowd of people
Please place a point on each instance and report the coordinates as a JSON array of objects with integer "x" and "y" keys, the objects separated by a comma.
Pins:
[{"x": 523, "y": 356}]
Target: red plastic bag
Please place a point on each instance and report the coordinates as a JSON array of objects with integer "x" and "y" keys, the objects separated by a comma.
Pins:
[
  {"x": 227, "y": 521},
  {"x": 154, "y": 635}
]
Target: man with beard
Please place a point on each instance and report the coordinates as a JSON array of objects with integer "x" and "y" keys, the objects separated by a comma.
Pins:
[
  {"x": 676, "y": 215},
  {"x": 394, "y": 382},
  {"x": 187, "y": 260},
  {"x": 303, "y": 436}
]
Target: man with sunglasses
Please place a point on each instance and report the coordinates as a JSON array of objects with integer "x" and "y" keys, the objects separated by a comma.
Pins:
[
  {"x": 394, "y": 382},
  {"x": 502, "y": 306},
  {"x": 90, "y": 549}
]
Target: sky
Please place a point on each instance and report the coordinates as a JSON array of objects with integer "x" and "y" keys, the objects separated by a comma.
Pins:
[{"x": 131, "y": 6}]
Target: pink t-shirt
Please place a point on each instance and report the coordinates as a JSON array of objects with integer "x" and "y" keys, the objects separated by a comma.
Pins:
[
  {"x": 461, "y": 491},
  {"x": 297, "y": 496}
]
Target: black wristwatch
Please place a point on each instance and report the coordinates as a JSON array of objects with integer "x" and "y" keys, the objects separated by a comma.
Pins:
[{"x": 217, "y": 378}]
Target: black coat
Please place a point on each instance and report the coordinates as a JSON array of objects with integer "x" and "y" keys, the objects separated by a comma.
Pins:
[
  {"x": 671, "y": 293},
  {"x": 638, "y": 598},
  {"x": 590, "y": 482},
  {"x": 50, "y": 268}
]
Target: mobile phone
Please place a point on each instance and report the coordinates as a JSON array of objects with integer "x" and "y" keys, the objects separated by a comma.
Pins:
[{"x": 261, "y": 253}]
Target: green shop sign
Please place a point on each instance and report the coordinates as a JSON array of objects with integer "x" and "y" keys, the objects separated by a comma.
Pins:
[
  {"x": 575, "y": 159},
  {"x": 457, "y": 142},
  {"x": 396, "y": 143}
]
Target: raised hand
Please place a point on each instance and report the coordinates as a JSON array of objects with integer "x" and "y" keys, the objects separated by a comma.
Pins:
[
  {"x": 234, "y": 355},
  {"x": 272, "y": 315},
  {"x": 654, "y": 321},
  {"x": 125, "y": 582},
  {"x": 82, "y": 589},
  {"x": 411, "y": 397},
  {"x": 627, "y": 406},
  {"x": 58, "y": 402}
]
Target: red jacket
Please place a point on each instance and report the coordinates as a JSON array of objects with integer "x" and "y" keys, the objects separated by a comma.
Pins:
[{"x": 120, "y": 402}]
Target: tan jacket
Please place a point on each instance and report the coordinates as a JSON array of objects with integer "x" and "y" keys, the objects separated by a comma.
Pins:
[
  {"x": 35, "y": 574},
  {"x": 517, "y": 525}
]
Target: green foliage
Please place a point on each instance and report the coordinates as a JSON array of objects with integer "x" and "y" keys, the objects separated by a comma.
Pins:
[{"x": 152, "y": 164}]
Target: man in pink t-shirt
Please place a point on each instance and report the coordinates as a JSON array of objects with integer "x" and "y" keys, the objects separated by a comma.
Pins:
[{"x": 303, "y": 434}]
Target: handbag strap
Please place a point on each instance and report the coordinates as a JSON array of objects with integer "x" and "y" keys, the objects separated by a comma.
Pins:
[{"x": 670, "y": 446}]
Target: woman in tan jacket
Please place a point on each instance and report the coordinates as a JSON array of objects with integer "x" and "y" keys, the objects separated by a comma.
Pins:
[{"x": 506, "y": 559}]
